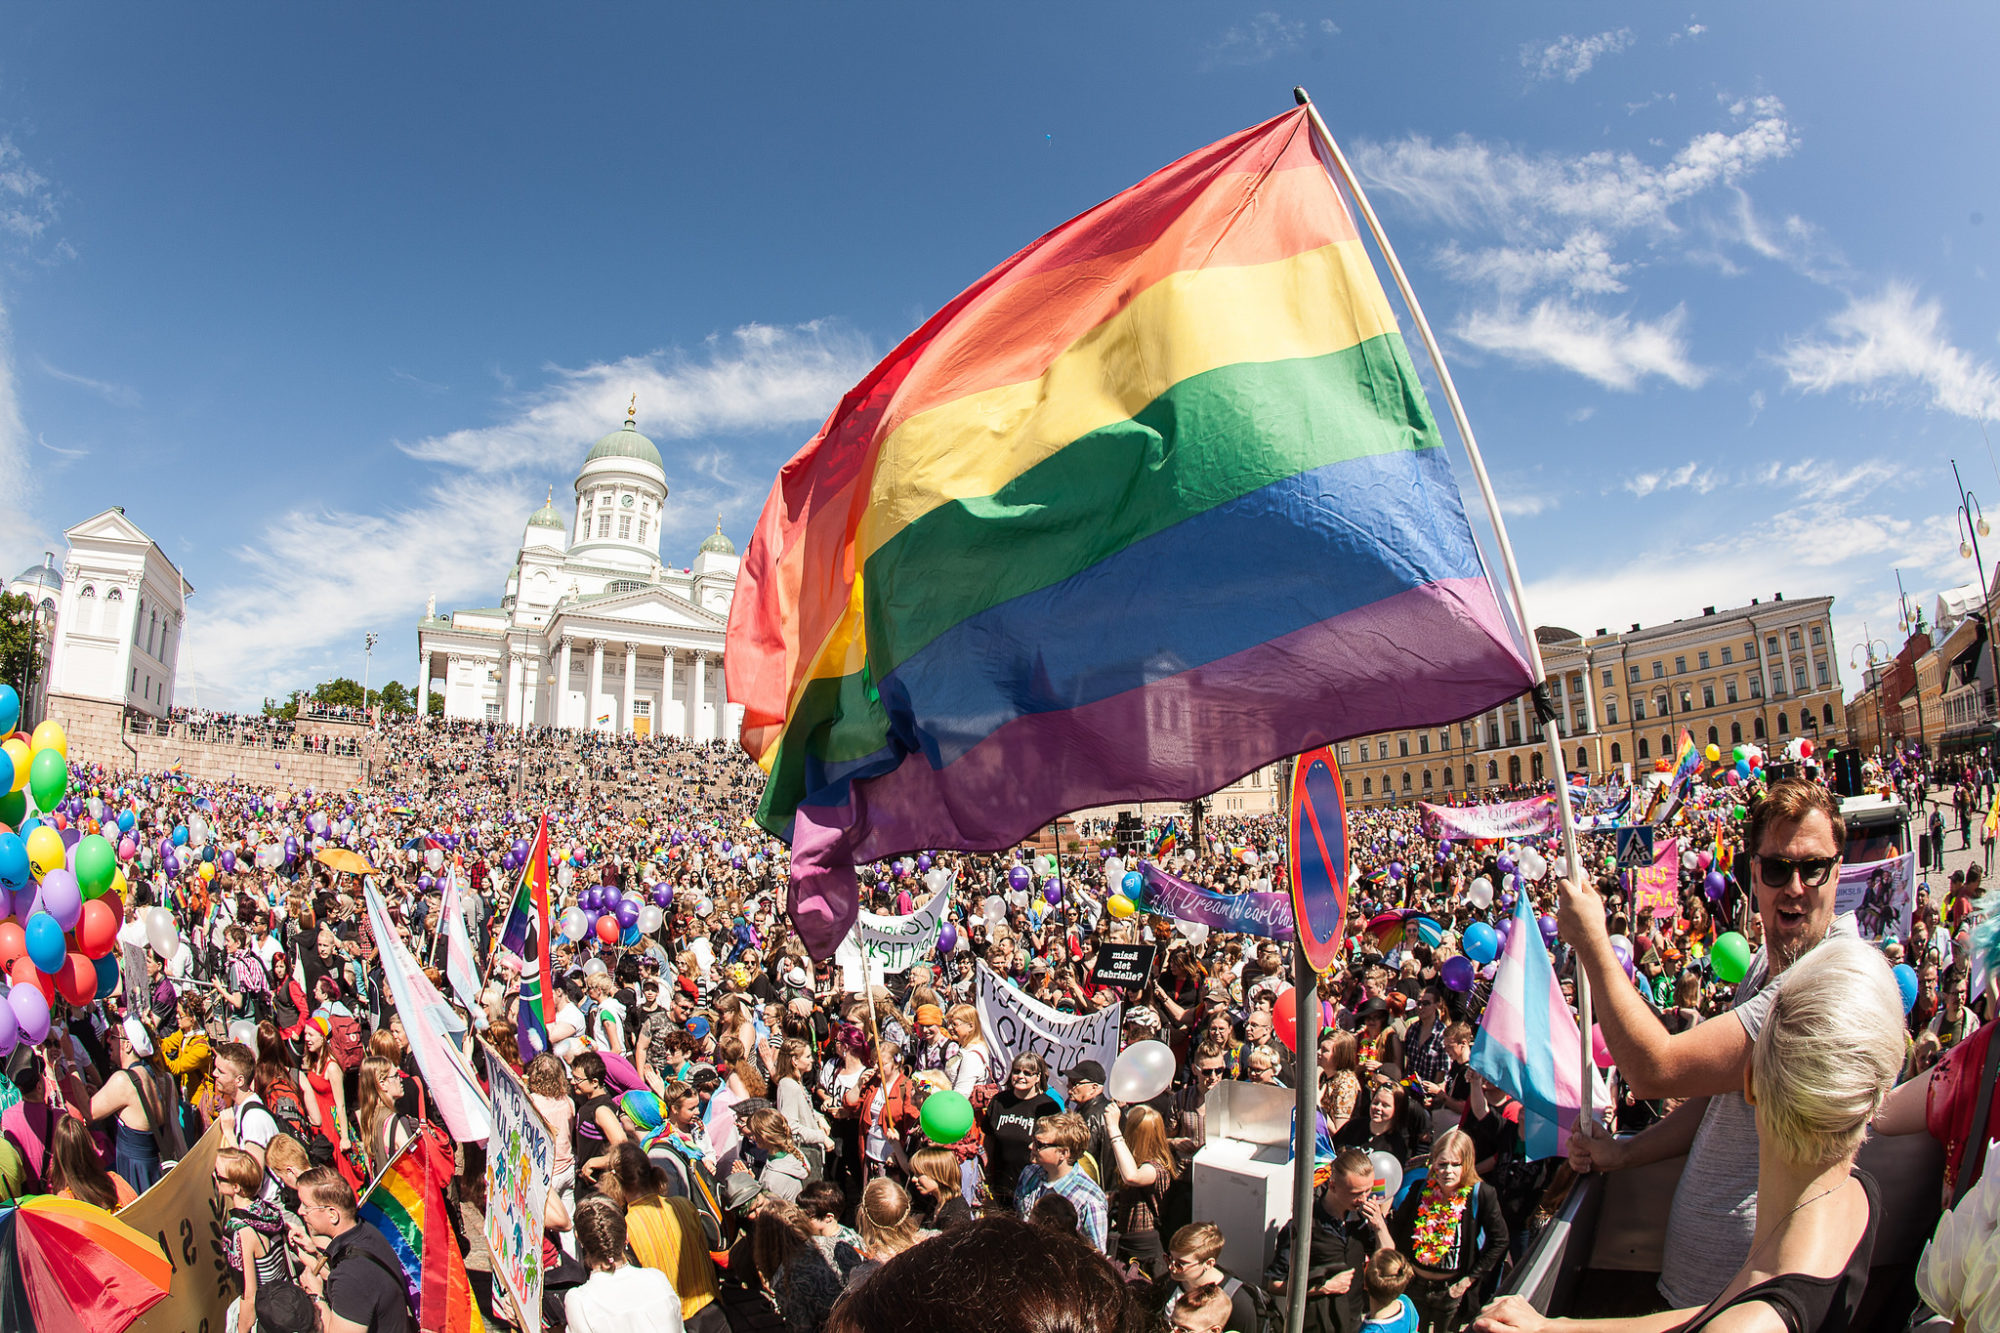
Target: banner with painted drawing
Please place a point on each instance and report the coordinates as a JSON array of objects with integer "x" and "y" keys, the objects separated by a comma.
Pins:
[
  {"x": 1881, "y": 894},
  {"x": 1015, "y": 1021},
  {"x": 1495, "y": 822},
  {"x": 185, "y": 1215},
  {"x": 520, "y": 1159}
]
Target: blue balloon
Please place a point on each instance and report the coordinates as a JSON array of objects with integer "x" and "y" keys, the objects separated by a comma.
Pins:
[
  {"x": 10, "y": 708},
  {"x": 107, "y": 974},
  {"x": 28, "y": 825},
  {"x": 1482, "y": 942},
  {"x": 629, "y": 936},
  {"x": 45, "y": 943},
  {"x": 127, "y": 821},
  {"x": 14, "y": 870},
  {"x": 1742, "y": 768},
  {"x": 180, "y": 835},
  {"x": 1906, "y": 982},
  {"x": 1134, "y": 885}
]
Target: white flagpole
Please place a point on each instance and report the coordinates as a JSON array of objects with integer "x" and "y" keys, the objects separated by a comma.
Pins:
[{"x": 1337, "y": 160}]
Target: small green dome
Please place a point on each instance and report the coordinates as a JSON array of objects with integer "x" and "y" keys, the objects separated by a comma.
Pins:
[
  {"x": 547, "y": 517},
  {"x": 626, "y": 442},
  {"x": 717, "y": 544}
]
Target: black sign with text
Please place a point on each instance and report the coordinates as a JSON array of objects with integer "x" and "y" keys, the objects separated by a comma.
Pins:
[{"x": 1122, "y": 965}]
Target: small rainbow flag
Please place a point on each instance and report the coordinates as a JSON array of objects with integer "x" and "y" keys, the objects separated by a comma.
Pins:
[
  {"x": 1686, "y": 760},
  {"x": 403, "y": 1204}
]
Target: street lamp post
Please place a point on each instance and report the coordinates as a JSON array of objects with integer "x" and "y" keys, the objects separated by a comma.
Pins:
[
  {"x": 1874, "y": 680},
  {"x": 1972, "y": 526},
  {"x": 368, "y": 642},
  {"x": 1912, "y": 623}
]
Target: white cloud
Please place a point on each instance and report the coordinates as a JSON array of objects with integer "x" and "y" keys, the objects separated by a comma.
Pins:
[
  {"x": 1894, "y": 345},
  {"x": 1526, "y": 504},
  {"x": 27, "y": 201},
  {"x": 315, "y": 579},
  {"x": 23, "y": 537},
  {"x": 1583, "y": 263},
  {"x": 1616, "y": 351},
  {"x": 1266, "y": 36},
  {"x": 1688, "y": 476},
  {"x": 124, "y": 395},
  {"x": 1571, "y": 57}
]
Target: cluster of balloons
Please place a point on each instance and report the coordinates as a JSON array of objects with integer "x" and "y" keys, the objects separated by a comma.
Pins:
[
  {"x": 1128, "y": 895},
  {"x": 64, "y": 895},
  {"x": 614, "y": 917}
]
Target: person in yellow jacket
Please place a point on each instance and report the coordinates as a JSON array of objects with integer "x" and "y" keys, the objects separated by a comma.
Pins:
[{"x": 186, "y": 1051}]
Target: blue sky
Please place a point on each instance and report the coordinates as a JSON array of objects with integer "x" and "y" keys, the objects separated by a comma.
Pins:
[{"x": 328, "y": 297}]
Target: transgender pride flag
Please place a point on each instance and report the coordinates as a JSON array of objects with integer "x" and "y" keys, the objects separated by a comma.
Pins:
[{"x": 1527, "y": 1043}]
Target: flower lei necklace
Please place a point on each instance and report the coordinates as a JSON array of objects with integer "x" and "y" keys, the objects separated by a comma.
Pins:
[{"x": 1436, "y": 1234}]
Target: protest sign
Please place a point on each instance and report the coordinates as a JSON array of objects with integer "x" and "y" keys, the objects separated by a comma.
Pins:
[
  {"x": 1014, "y": 1021},
  {"x": 520, "y": 1158},
  {"x": 1266, "y": 914},
  {"x": 1122, "y": 965},
  {"x": 184, "y": 1214},
  {"x": 1655, "y": 887},
  {"x": 898, "y": 943},
  {"x": 1881, "y": 894},
  {"x": 1503, "y": 819}
]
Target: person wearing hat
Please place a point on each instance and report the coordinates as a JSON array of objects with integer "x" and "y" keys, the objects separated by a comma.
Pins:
[
  {"x": 931, "y": 1047},
  {"x": 1084, "y": 1082}
]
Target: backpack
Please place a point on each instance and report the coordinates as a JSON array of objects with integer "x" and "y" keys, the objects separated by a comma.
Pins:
[
  {"x": 289, "y": 1107},
  {"x": 1270, "y": 1314},
  {"x": 343, "y": 1038}
]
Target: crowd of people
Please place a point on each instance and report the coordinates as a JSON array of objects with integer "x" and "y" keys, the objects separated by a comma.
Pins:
[{"x": 739, "y": 1128}]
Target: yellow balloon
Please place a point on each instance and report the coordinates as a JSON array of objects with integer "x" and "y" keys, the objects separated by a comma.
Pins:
[
  {"x": 118, "y": 885},
  {"x": 45, "y": 850},
  {"x": 1118, "y": 907},
  {"x": 207, "y": 870},
  {"x": 49, "y": 736},
  {"x": 1713, "y": 753},
  {"x": 18, "y": 752}
]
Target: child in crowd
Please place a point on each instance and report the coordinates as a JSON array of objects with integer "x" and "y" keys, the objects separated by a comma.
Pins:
[{"x": 1384, "y": 1278}]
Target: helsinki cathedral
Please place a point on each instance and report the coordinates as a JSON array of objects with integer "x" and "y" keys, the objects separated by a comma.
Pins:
[{"x": 592, "y": 631}]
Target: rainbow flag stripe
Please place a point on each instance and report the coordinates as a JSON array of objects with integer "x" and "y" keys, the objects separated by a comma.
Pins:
[
  {"x": 401, "y": 1204},
  {"x": 1155, "y": 502}
]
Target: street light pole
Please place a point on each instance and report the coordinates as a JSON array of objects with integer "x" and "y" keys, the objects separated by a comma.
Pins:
[
  {"x": 367, "y": 668},
  {"x": 1913, "y": 624},
  {"x": 1972, "y": 526},
  {"x": 1875, "y": 683}
]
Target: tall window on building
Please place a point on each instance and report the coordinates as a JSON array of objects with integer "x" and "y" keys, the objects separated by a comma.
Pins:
[
  {"x": 1492, "y": 770},
  {"x": 1364, "y": 750},
  {"x": 1617, "y": 753},
  {"x": 1756, "y": 685},
  {"x": 1729, "y": 690},
  {"x": 1424, "y": 743},
  {"x": 1447, "y": 777},
  {"x": 1367, "y": 786},
  {"x": 1784, "y": 725},
  {"x": 1708, "y": 696},
  {"x": 1659, "y": 671},
  {"x": 1757, "y": 727},
  {"x": 1702, "y": 661},
  {"x": 1635, "y": 675},
  {"x": 1638, "y": 711},
  {"x": 1818, "y": 636},
  {"x": 1582, "y": 759},
  {"x": 1820, "y": 673},
  {"x": 1799, "y": 677},
  {"x": 604, "y": 524},
  {"x": 1827, "y": 713},
  {"x": 1427, "y": 779},
  {"x": 1792, "y": 638},
  {"x": 1611, "y": 712},
  {"x": 1468, "y": 775},
  {"x": 1403, "y": 747},
  {"x": 624, "y": 527},
  {"x": 1771, "y": 645},
  {"x": 1735, "y": 733},
  {"x": 1680, "y": 666},
  {"x": 1608, "y": 682},
  {"x": 1728, "y": 656},
  {"x": 1687, "y": 701},
  {"x": 1714, "y": 736},
  {"x": 1406, "y": 779}
]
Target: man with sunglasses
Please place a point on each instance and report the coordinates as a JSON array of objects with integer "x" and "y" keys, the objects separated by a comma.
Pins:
[{"x": 1795, "y": 839}]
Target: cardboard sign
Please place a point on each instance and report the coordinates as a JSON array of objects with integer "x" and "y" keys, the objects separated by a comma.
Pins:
[
  {"x": 520, "y": 1159},
  {"x": 1123, "y": 965}
]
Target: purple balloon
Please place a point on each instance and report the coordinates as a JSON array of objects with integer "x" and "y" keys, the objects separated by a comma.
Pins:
[
  {"x": 1548, "y": 925},
  {"x": 663, "y": 896},
  {"x": 62, "y": 899},
  {"x": 923, "y": 860},
  {"x": 1457, "y": 973},
  {"x": 1504, "y": 864},
  {"x": 947, "y": 938},
  {"x": 228, "y": 859},
  {"x": 1395, "y": 870},
  {"x": 1053, "y": 892},
  {"x": 1020, "y": 877},
  {"x": 1715, "y": 885},
  {"x": 31, "y": 1013},
  {"x": 627, "y": 912},
  {"x": 1622, "y": 949},
  {"x": 10, "y": 1029}
]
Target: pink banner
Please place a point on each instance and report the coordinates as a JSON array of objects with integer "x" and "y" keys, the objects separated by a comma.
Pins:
[
  {"x": 1506, "y": 819},
  {"x": 1656, "y": 888}
]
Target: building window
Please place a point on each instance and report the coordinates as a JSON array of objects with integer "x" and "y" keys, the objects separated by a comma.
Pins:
[
  {"x": 1708, "y": 696},
  {"x": 1661, "y": 707},
  {"x": 89, "y": 592},
  {"x": 1403, "y": 747},
  {"x": 1659, "y": 671},
  {"x": 1680, "y": 666},
  {"x": 1819, "y": 672},
  {"x": 1492, "y": 770},
  {"x": 1735, "y": 733},
  {"x": 493, "y": 712},
  {"x": 1468, "y": 777},
  {"x": 1514, "y": 731},
  {"x": 1444, "y": 738},
  {"x": 1406, "y": 779},
  {"x": 1364, "y": 750},
  {"x": 1367, "y": 786},
  {"x": 1757, "y": 727},
  {"x": 1728, "y": 656},
  {"x": 1771, "y": 645},
  {"x": 1792, "y": 638},
  {"x": 1644, "y": 752},
  {"x": 1582, "y": 759},
  {"x": 1749, "y": 650},
  {"x": 1427, "y": 779},
  {"x": 1666, "y": 746},
  {"x": 1784, "y": 725},
  {"x": 1729, "y": 690},
  {"x": 1424, "y": 743},
  {"x": 1611, "y": 712},
  {"x": 1757, "y": 685},
  {"x": 1514, "y": 769},
  {"x": 1702, "y": 661},
  {"x": 1340, "y": 753},
  {"x": 1635, "y": 675},
  {"x": 1447, "y": 777},
  {"x": 1687, "y": 701},
  {"x": 1617, "y": 753},
  {"x": 624, "y": 527},
  {"x": 1638, "y": 711},
  {"x": 1607, "y": 678},
  {"x": 1827, "y": 713},
  {"x": 1714, "y": 736},
  {"x": 1799, "y": 677},
  {"x": 1535, "y": 764},
  {"x": 604, "y": 524},
  {"x": 1818, "y": 636},
  {"x": 1465, "y": 734}
]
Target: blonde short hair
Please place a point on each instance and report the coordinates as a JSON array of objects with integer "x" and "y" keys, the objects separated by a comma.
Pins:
[{"x": 1828, "y": 1053}]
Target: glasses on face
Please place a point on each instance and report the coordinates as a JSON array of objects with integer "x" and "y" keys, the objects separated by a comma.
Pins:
[
  {"x": 1040, "y": 1144},
  {"x": 1813, "y": 872},
  {"x": 1209, "y": 1073}
]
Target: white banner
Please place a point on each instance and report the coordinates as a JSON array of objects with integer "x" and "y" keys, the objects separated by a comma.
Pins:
[
  {"x": 898, "y": 943},
  {"x": 1014, "y": 1021},
  {"x": 520, "y": 1159}
]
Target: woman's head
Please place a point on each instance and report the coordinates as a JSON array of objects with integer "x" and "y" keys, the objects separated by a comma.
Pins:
[
  {"x": 884, "y": 1219},
  {"x": 1830, "y": 1050},
  {"x": 935, "y": 1171},
  {"x": 1146, "y": 1136},
  {"x": 600, "y": 1235},
  {"x": 546, "y": 1076},
  {"x": 1028, "y": 1074},
  {"x": 237, "y": 1175},
  {"x": 633, "y": 1177},
  {"x": 1452, "y": 1160},
  {"x": 770, "y": 1131},
  {"x": 73, "y": 1155},
  {"x": 378, "y": 1085},
  {"x": 962, "y": 1021},
  {"x": 1343, "y": 1052}
]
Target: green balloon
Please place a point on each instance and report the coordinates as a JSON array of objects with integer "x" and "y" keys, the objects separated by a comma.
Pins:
[
  {"x": 14, "y": 808},
  {"x": 48, "y": 778},
  {"x": 96, "y": 864},
  {"x": 1731, "y": 956},
  {"x": 946, "y": 1117}
]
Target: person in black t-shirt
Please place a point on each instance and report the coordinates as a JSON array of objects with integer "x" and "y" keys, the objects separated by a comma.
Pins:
[
  {"x": 1009, "y": 1123},
  {"x": 364, "y": 1287}
]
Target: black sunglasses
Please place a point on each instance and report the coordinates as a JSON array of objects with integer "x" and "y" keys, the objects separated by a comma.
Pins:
[{"x": 1777, "y": 871}]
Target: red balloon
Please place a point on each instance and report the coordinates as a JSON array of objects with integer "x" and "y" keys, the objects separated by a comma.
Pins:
[
  {"x": 78, "y": 979},
  {"x": 25, "y": 973},
  {"x": 59, "y": 821},
  {"x": 1285, "y": 1018},
  {"x": 607, "y": 929},
  {"x": 97, "y": 931},
  {"x": 13, "y": 945}
]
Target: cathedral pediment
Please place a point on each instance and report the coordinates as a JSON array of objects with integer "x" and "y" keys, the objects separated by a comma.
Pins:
[{"x": 651, "y": 606}]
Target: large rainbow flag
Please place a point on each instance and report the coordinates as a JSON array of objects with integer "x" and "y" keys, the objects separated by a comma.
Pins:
[
  {"x": 403, "y": 1204},
  {"x": 1156, "y": 502}
]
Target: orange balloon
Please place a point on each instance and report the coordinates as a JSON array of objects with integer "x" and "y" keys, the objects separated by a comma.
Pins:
[
  {"x": 13, "y": 945},
  {"x": 608, "y": 929},
  {"x": 96, "y": 932},
  {"x": 25, "y": 973}
]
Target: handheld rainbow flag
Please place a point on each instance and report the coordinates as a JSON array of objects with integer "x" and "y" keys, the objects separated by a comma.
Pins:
[
  {"x": 527, "y": 934},
  {"x": 404, "y": 1204},
  {"x": 988, "y": 591},
  {"x": 1527, "y": 1044},
  {"x": 1687, "y": 760}
]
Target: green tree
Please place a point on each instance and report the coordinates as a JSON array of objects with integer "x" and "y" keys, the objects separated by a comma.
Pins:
[
  {"x": 20, "y": 647},
  {"x": 436, "y": 708},
  {"x": 396, "y": 699},
  {"x": 340, "y": 692}
]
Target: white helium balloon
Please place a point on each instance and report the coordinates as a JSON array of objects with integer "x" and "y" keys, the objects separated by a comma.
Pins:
[
  {"x": 245, "y": 1032},
  {"x": 573, "y": 924},
  {"x": 594, "y": 967},
  {"x": 162, "y": 932},
  {"x": 1142, "y": 1071},
  {"x": 1480, "y": 892},
  {"x": 1388, "y": 1173},
  {"x": 650, "y": 919}
]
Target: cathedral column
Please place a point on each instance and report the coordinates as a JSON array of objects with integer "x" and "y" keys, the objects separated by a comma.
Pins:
[
  {"x": 559, "y": 706},
  {"x": 596, "y": 684},
  {"x": 1589, "y": 699},
  {"x": 423, "y": 686},
  {"x": 695, "y": 692},
  {"x": 631, "y": 683},
  {"x": 512, "y": 711},
  {"x": 1521, "y": 719},
  {"x": 666, "y": 696}
]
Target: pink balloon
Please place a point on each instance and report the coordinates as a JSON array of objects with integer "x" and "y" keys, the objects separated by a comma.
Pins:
[{"x": 1598, "y": 1050}]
